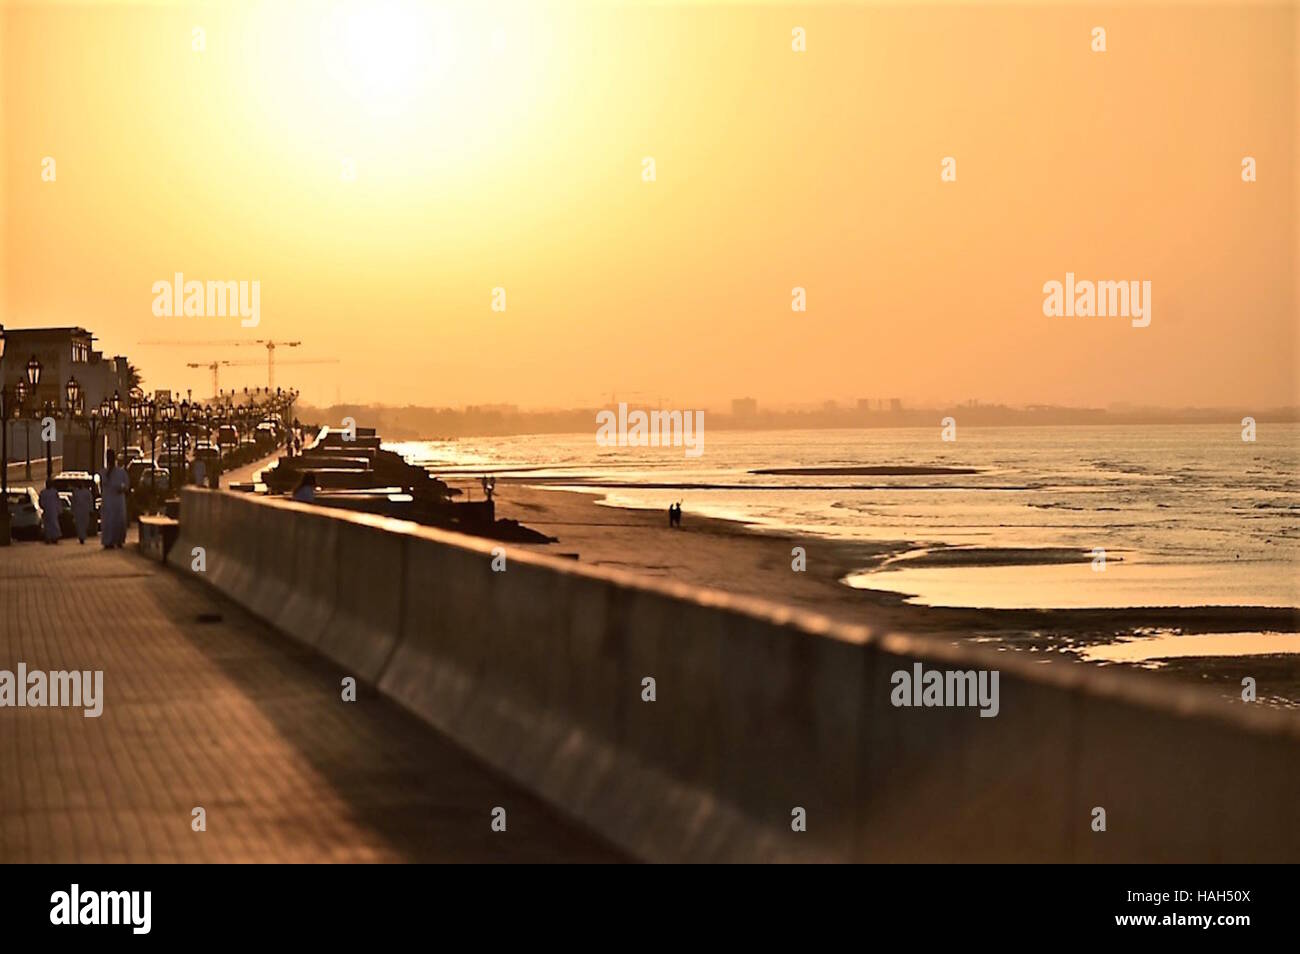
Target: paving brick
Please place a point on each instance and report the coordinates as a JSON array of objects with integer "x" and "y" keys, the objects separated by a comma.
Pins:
[{"x": 231, "y": 716}]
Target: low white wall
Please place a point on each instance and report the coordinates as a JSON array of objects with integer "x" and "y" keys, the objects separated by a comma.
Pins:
[{"x": 760, "y": 709}]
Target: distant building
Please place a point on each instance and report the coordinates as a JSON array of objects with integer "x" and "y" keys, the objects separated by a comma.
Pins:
[
  {"x": 879, "y": 404},
  {"x": 744, "y": 407},
  {"x": 64, "y": 353}
]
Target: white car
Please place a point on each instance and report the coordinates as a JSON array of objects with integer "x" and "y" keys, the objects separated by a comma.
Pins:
[{"x": 24, "y": 513}]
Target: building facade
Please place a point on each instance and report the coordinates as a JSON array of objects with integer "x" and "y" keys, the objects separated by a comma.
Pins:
[{"x": 64, "y": 354}]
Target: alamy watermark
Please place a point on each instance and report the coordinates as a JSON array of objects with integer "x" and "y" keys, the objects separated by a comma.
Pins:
[
  {"x": 195, "y": 299},
  {"x": 75, "y": 906},
  {"x": 952, "y": 687},
  {"x": 54, "y": 689},
  {"x": 651, "y": 429},
  {"x": 1103, "y": 299}
]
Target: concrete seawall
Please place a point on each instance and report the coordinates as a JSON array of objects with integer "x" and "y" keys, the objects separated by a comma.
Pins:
[{"x": 760, "y": 709}]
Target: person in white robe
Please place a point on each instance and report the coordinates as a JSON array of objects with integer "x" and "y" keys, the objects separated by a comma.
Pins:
[
  {"x": 51, "y": 506},
  {"x": 114, "y": 484},
  {"x": 82, "y": 503}
]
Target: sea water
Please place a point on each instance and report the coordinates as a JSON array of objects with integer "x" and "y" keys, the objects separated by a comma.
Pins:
[{"x": 1185, "y": 514}]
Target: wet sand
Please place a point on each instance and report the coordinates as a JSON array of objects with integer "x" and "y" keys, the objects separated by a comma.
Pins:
[{"x": 731, "y": 556}]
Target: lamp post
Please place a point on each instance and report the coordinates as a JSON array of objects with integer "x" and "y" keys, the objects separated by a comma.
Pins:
[
  {"x": 168, "y": 413},
  {"x": 219, "y": 417},
  {"x": 20, "y": 395},
  {"x": 115, "y": 406},
  {"x": 185, "y": 412},
  {"x": 130, "y": 421},
  {"x": 4, "y": 441},
  {"x": 92, "y": 425},
  {"x": 149, "y": 412},
  {"x": 48, "y": 409},
  {"x": 73, "y": 392},
  {"x": 139, "y": 414},
  {"x": 34, "y": 368}
]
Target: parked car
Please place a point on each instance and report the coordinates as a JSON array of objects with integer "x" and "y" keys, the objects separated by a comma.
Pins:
[
  {"x": 154, "y": 479},
  {"x": 210, "y": 458},
  {"x": 172, "y": 460},
  {"x": 24, "y": 513},
  {"x": 131, "y": 453},
  {"x": 70, "y": 480},
  {"x": 135, "y": 469}
]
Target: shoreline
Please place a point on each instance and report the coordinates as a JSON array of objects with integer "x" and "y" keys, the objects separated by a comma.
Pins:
[{"x": 741, "y": 558}]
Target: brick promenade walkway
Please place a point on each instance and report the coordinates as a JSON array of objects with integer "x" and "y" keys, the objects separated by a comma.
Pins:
[{"x": 230, "y": 716}]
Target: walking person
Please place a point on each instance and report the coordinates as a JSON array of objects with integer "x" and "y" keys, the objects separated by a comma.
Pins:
[
  {"x": 112, "y": 521},
  {"x": 83, "y": 501},
  {"x": 51, "y": 507}
]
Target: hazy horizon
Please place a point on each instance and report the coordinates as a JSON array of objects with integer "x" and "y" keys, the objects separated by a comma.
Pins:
[{"x": 380, "y": 168}]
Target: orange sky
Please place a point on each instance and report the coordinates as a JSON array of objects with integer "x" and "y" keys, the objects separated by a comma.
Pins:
[{"x": 502, "y": 145}]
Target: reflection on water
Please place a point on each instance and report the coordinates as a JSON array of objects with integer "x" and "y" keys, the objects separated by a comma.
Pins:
[
  {"x": 1130, "y": 583},
  {"x": 1171, "y": 645}
]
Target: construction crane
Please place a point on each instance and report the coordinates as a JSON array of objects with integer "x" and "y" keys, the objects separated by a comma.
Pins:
[
  {"x": 214, "y": 366},
  {"x": 266, "y": 343}
]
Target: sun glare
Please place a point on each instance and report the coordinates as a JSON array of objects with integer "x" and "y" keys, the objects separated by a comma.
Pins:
[
  {"x": 389, "y": 54},
  {"x": 400, "y": 87}
]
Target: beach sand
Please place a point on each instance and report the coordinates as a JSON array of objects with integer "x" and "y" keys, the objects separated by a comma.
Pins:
[{"x": 731, "y": 556}]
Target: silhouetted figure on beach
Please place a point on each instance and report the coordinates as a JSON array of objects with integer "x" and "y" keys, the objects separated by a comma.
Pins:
[
  {"x": 306, "y": 492},
  {"x": 675, "y": 514},
  {"x": 112, "y": 518},
  {"x": 82, "y": 503},
  {"x": 51, "y": 505}
]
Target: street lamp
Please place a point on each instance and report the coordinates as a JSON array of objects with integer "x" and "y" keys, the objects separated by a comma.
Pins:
[
  {"x": 136, "y": 411},
  {"x": 73, "y": 391},
  {"x": 149, "y": 412},
  {"x": 115, "y": 406},
  {"x": 92, "y": 425},
  {"x": 20, "y": 392},
  {"x": 34, "y": 368},
  {"x": 48, "y": 409},
  {"x": 185, "y": 434},
  {"x": 168, "y": 413}
]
